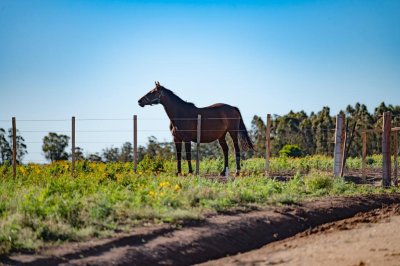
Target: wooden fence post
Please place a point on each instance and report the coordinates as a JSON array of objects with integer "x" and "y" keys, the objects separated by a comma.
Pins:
[
  {"x": 135, "y": 158},
  {"x": 364, "y": 154},
  {"x": 198, "y": 144},
  {"x": 346, "y": 149},
  {"x": 14, "y": 153},
  {"x": 395, "y": 158},
  {"x": 343, "y": 162},
  {"x": 386, "y": 128},
  {"x": 267, "y": 144},
  {"x": 135, "y": 153},
  {"x": 73, "y": 147},
  {"x": 339, "y": 144}
]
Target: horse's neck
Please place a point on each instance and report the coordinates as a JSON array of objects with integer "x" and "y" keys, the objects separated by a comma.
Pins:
[{"x": 177, "y": 108}]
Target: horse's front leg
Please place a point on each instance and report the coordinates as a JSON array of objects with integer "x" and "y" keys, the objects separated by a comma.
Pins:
[
  {"x": 188, "y": 150},
  {"x": 178, "y": 145}
]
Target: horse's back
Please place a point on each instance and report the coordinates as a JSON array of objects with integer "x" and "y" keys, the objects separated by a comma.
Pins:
[
  {"x": 216, "y": 105},
  {"x": 221, "y": 108},
  {"x": 220, "y": 117}
]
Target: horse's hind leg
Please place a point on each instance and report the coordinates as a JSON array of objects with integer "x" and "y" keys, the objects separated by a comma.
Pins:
[
  {"x": 225, "y": 149},
  {"x": 188, "y": 150},
  {"x": 235, "y": 139},
  {"x": 178, "y": 145}
]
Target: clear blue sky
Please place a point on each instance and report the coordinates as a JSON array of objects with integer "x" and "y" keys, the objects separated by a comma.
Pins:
[{"x": 94, "y": 59}]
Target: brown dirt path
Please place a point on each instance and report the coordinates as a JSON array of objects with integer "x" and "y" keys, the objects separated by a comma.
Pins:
[
  {"x": 196, "y": 242},
  {"x": 371, "y": 238}
]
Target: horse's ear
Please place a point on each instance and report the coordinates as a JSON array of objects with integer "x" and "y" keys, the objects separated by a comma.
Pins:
[{"x": 157, "y": 84}]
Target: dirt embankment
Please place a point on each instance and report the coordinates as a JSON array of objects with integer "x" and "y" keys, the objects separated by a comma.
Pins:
[{"x": 216, "y": 237}]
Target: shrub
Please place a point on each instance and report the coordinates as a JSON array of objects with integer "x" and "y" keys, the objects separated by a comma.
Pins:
[
  {"x": 317, "y": 181},
  {"x": 151, "y": 164},
  {"x": 369, "y": 161},
  {"x": 290, "y": 150}
]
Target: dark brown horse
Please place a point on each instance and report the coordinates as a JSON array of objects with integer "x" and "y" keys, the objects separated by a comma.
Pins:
[{"x": 216, "y": 121}]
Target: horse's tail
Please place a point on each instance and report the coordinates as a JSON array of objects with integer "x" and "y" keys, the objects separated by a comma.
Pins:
[{"x": 244, "y": 137}]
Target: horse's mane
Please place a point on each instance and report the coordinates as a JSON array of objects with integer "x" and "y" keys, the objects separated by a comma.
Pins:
[{"x": 176, "y": 98}]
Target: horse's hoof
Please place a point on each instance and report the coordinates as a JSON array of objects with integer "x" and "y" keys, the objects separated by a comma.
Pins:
[
  {"x": 237, "y": 173},
  {"x": 178, "y": 173}
]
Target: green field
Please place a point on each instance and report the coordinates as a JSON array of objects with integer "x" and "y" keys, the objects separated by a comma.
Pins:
[{"x": 44, "y": 204}]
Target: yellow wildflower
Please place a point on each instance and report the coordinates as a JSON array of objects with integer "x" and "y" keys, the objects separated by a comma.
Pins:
[
  {"x": 164, "y": 184},
  {"x": 177, "y": 187},
  {"x": 119, "y": 177},
  {"x": 23, "y": 171}
]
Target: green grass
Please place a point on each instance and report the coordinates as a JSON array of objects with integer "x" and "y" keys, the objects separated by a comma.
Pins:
[{"x": 44, "y": 204}]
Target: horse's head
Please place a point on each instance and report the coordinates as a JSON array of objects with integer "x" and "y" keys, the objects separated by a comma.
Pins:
[{"x": 153, "y": 96}]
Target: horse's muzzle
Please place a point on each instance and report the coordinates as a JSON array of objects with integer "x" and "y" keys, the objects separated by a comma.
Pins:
[{"x": 141, "y": 103}]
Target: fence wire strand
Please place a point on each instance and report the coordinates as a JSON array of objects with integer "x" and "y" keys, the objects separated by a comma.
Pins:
[{"x": 327, "y": 130}]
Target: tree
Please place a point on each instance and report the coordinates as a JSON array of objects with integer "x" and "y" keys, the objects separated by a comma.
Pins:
[
  {"x": 323, "y": 126},
  {"x": 110, "y": 154},
  {"x": 293, "y": 128},
  {"x": 257, "y": 133},
  {"x": 54, "y": 147},
  {"x": 362, "y": 119},
  {"x": 94, "y": 157},
  {"x": 155, "y": 149},
  {"x": 126, "y": 153},
  {"x": 211, "y": 150},
  {"x": 306, "y": 129},
  {"x": 79, "y": 154},
  {"x": 6, "y": 146}
]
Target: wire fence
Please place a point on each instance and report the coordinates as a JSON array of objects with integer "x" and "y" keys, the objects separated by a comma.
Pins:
[
  {"x": 92, "y": 132},
  {"x": 93, "y": 137},
  {"x": 95, "y": 134}
]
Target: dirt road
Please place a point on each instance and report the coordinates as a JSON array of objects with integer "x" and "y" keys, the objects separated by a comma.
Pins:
[
  {"x": 368, "y": 239},
  {"x": 240, "y": 231}
]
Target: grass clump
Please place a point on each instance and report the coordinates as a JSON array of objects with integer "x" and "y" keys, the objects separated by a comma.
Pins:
[{"x": 317, "y": 181}]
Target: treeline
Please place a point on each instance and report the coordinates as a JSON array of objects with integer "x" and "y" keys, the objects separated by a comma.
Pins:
[{"x": 313, "y": 134}]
